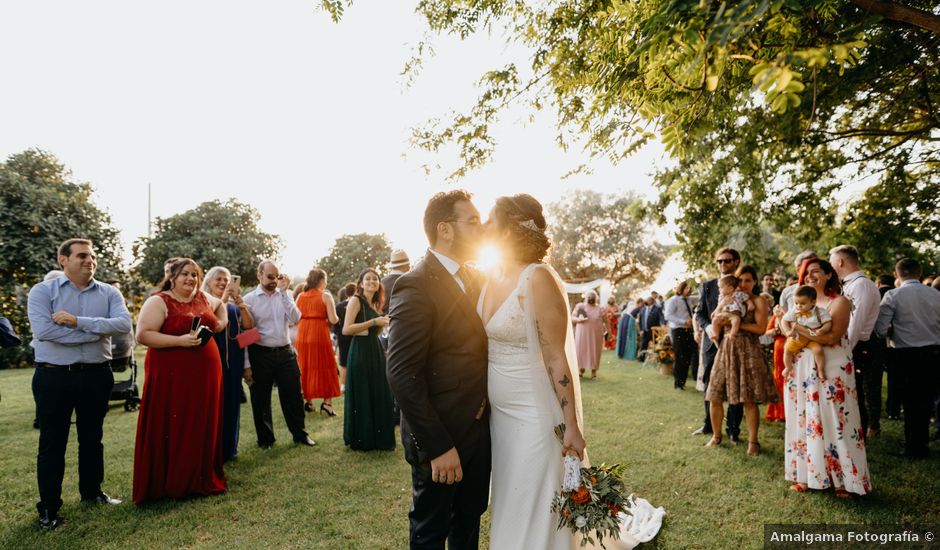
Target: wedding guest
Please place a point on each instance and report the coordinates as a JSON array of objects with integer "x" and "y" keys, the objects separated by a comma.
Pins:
[
  {"x": 767, "y": 285},
  {"x": 342, "y": 340},
  {"x": 612, "y": 314},
  {"x": 626, "y": 337},
  {"x": 776, "y": 412},
  {"x": 178, "y": 450},
  {"x": 657, "y": 299},
  {"x": 913, "y": 312},
  {"x": 825, "y": 445},
  {"x": 650, "y": 316},
  {"x": 398, "y": 265},
  {"x": 370, "y": 422},
  {"x": 638, "y": 307},
  {"x": 866, "y": 353},
  {"x": 53, "y": 274},
  {"x": 739, "y": 373},
  {"x": 272, "y": 360},
  {"x": 218, "y": 284},
  {"x": 318, "y": 375},
  {"x": 786, "y": 295},
  {"x": 893, "y": 400},
  {"x": 678, "y": 316},
  {"x": 73, "y": 318},
  {"x": 727, "y": 260},
  {"x": 588, "y": 319}
]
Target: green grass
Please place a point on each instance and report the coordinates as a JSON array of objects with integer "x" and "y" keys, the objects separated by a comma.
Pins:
[{"x": 331, "y": 497}]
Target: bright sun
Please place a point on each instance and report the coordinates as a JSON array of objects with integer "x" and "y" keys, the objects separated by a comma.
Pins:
[{"x": 489, "y": 258}]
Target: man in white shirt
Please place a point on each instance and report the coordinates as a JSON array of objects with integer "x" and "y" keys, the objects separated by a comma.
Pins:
[
  {"x": 867, "y": 355},
  {"x": 679, "y": 318},
  {"x": 272, "y": 360}
]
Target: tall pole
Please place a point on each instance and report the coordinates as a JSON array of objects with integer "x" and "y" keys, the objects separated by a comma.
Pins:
[{"x": 148, "y": 211}]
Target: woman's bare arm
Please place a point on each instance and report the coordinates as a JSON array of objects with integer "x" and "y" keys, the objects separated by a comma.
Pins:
[
  {"x": 551, "y": 321},
  {"x": 760, "y": 317},
  {"x": 150, "y": 321},
  {"x": 330, "y": 308}
]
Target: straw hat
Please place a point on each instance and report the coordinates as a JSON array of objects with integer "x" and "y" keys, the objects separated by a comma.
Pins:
[{"x": 399, "y": 259}]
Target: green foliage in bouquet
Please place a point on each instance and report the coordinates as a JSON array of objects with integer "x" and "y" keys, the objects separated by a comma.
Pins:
[{"x": 593, "y": 510}]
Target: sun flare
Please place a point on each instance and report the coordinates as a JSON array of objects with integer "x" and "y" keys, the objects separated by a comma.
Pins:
[{"x": 489, "y": 258}]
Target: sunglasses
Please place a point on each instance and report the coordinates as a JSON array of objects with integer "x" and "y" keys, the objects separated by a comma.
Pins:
[{"x": 724, "y": 261}]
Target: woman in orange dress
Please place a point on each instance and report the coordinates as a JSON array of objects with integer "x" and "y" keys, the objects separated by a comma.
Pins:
[
  {"x": 775, "y": 411},
  {"x": 319, "y": 378}
]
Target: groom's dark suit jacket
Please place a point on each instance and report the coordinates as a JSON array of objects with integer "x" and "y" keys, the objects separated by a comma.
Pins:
[{"x": 437, "y": 363}]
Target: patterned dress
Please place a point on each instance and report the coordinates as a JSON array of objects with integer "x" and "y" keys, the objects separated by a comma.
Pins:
[
  {"x": 740, "y": 373},
  {"x": 824, "y": 443}
]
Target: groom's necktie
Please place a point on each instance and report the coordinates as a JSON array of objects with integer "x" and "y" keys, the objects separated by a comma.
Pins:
[{"x": 466, "y": 277}]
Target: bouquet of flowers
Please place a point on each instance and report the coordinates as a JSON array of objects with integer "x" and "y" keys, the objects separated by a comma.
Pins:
[
  {"x": 664, "y": 351},
  {"x": 590, "y": 499}
]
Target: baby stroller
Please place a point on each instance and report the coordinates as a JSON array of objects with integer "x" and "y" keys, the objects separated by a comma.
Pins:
[{"x": 122, "y": 353}]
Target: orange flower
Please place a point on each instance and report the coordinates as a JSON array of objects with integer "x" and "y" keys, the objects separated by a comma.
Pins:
[
  {"x": 566, "y": 512},
  {"x": 614, "y": 509},
  {"x": 593, "y": 480},
  {"x": 581, "y": 496}
]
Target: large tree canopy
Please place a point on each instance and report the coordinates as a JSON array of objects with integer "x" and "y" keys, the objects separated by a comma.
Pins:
[
  {"x": 595, "y": 235},
  {"x": 350, "y": 254},
  {"x": 213, "y": 233},
  {"x": 769, "y": 106},
  {"x": 40, "y": 207}
]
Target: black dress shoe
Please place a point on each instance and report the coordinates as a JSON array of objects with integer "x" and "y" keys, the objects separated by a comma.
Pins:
[
  {"x": 702, "y": 431},
  {"x": 102, "y": 498},
  {"x": 734, "y": 439},
  {"x": 266, "y": 447},
  {"x": 50, "y": 520},
  {"x": 308, "y": 441}
]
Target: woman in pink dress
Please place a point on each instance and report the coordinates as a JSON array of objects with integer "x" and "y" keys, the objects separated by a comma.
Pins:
[{"x": 588, "y": 319}]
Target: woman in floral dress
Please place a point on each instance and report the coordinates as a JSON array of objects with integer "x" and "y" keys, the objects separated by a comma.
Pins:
[{"x": 824, "y": 444}]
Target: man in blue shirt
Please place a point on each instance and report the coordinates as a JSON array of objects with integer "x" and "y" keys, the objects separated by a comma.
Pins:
[
  {"x": 72, "y": 319},
  {"x": 913, "y": 312}
]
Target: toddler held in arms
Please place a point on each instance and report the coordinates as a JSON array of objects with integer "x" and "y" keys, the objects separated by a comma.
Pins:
[
  {"x": 732, "y": 305},
  {"x": 816, "y": 319}
]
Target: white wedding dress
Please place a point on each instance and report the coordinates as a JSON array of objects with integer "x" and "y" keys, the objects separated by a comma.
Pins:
[
  {"x": 528, "y": 467},
  {"x": 527, "y": 462}
]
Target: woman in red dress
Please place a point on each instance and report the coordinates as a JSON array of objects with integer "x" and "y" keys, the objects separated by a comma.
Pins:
[
  {"x": 612, "y": 314},
  {"x": 319, "y": 378},
  {"x": 776, "y": 411},
  {"x": 179, "y": 431}
]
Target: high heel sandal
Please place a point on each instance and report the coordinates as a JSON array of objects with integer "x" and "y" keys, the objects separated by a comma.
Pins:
[
  {"x": 715, "y": 441},
  {"x": 308, "y": 407},
  {"x": 328, "y": 411},
  {"x": 755, "y": 446}
]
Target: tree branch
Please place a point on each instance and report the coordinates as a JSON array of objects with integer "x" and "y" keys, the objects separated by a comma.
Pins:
[{"x": 902, "y": 13}]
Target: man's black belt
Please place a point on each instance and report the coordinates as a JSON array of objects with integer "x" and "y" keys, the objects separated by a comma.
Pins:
[
  {"x": 76, "y": 366},
  {"x": 266, "y": 348}
]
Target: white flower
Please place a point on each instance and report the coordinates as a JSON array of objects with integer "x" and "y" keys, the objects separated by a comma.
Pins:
[{"x": 580, "y": 521}]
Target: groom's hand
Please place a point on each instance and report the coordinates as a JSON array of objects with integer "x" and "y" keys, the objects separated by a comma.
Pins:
[{"x": 446, "y": 468}]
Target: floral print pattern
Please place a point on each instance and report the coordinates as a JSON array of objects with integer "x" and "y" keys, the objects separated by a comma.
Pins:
[{"x": 824, "y": 444}]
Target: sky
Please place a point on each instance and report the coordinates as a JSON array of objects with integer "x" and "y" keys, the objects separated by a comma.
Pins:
[{"x": 273, "y": 104}]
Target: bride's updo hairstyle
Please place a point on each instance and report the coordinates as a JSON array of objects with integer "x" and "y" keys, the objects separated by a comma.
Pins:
[{"x": 522, "y": 215}]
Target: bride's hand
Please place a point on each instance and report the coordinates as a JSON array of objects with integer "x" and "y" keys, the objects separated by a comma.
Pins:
[{"x": 573, "y": 441}]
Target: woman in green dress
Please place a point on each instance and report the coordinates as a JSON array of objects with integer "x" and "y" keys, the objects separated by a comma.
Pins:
[{"x": 369, "y": 421}]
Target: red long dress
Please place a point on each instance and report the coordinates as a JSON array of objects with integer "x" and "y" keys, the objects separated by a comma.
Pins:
[
  {"x": 179, "y": 430},
  {"x": 319, "y": 378},
  {"x": 776, "y": 411}
]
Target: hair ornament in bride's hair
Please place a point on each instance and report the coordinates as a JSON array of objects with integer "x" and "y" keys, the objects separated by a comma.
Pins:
[{"x": 530, "y": 225}]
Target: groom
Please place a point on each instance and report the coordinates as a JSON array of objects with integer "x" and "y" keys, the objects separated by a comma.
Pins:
[{"x": 437, "y": 363}]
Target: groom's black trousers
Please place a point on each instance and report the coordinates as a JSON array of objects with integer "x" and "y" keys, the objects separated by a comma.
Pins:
[{"x": 442, "y": 512}]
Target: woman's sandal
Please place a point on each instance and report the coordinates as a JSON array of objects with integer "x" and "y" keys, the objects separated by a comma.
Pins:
[
  {"x": 842, "y": 493},
  {"x": 753, "y": 446},
  {"x": 327, "y": 408},
  {"x": 799, "y": 487},
  {"x": 308, "y": 407},
  {"x": 714, "y": 442}
]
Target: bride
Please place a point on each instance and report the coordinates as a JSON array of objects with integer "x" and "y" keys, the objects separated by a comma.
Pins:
[{"x": 532, "y": 380}]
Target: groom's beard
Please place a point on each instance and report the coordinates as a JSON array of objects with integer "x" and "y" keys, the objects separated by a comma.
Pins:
[{"x": 466, "y": 246}]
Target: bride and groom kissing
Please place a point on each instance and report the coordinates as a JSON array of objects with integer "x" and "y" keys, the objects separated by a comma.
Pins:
[{"x": 483, "y": 369}]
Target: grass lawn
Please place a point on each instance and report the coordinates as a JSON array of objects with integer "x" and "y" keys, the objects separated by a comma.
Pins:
[{"x": 330, "y": 497}]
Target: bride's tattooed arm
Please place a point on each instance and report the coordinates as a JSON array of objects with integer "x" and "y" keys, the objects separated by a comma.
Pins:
[{"x": 551, "y": 321}]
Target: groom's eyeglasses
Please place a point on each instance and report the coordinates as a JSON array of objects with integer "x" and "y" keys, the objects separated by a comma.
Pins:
[{"x": 724, "y": 261}]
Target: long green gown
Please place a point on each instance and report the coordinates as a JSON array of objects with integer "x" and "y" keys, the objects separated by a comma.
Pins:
[{"x": 369, "y": 421}]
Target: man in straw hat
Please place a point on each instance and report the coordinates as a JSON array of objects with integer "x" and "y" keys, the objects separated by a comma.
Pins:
[{"x": 398, "y": 265}]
